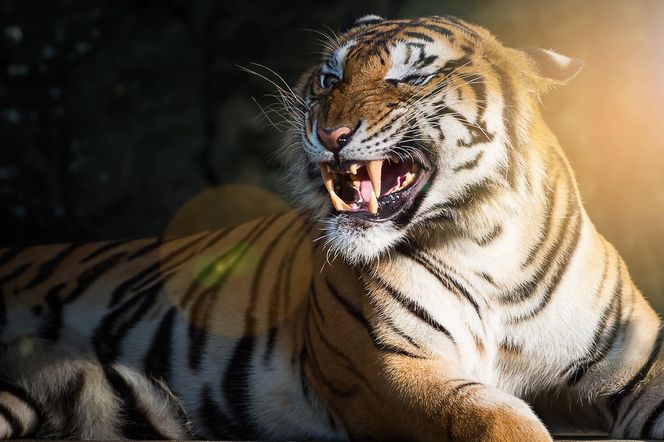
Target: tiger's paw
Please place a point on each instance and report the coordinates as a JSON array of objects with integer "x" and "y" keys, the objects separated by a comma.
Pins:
[
  {"x": 504, "y": 425},
  {"x": 492, "y": 415}
]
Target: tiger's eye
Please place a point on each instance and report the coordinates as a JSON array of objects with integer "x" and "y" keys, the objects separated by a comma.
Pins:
[{"x": 328, "y": 80}]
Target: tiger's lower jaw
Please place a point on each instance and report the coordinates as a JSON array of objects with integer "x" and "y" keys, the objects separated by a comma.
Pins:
[{"x": 359, "y": 241}]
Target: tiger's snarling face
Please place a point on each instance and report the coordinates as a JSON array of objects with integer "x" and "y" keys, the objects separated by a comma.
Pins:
[{"x": 404, "y": 121}]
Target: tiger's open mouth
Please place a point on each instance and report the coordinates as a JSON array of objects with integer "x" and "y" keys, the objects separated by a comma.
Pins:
[{"x": 377, "y": 189}]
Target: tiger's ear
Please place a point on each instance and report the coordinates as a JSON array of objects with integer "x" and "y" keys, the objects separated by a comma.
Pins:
[
  {"x": 552, "y": 66},
  {"x": 362, "y": 20}
]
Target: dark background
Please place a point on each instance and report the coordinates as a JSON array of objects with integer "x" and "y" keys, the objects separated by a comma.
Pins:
[{"x": 122, "y": 119}]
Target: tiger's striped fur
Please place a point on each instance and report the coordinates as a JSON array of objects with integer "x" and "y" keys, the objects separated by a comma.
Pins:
[{"x": 487, "y": 288}]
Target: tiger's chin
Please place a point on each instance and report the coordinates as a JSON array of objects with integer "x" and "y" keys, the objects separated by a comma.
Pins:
[{"x": 358, "y": 240}]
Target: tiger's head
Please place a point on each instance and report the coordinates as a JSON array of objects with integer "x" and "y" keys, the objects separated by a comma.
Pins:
[{"x": 404, "y": 125}]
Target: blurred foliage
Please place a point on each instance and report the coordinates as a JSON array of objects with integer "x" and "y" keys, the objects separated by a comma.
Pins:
[{"x": 115, "y": 114}]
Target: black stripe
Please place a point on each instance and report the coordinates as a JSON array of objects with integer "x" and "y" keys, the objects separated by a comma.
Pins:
[
  {"x": 488, "y": 278},
  {"x": 415, "y": 309},
  {"x": 474, "y": 194},
  {"x": 103, "y": 249},
  {"x": 459, "y": 388},
  {"x": 214, "y": 420},
  {"x": 470, "y": 164},
  {"x": 154, "y": 245},
  {"x": 558, "y": 274},
  {"x": 23, "y": 396},
  {"x": 218, "y": 236},
  {"x": 460, "y": 25},
  {"x": 14, "y": 274},
  {"x": 314, "y": 297},
  {"x": 646, "y": 431},
  {"x": 10, "y": 254},
  {"x": 304, "y": 385},
  {"x": 550, "y": 202},
  {"x": 109, "y": 335},
  {"x": 437, "y": 29},
  {"x": 235, "y": 384},
  {"x": 350, "y": 308},
  {"x": 124, "y": 287},
  {"x": 509, "y": 116},
  {"x": 355, "y": 313},
  {"x": 50, "y": 328},
  {"x": 92, "y": 274},
  {"x": 419, "y": 36},
  {"x": 380, "y": 132},
  {"x": 385, "y": 319},
  {"x": 632, "y": 384},
  {"x": 157, "y": 361},
  {"x": 529, "y": 288},
  {"x": 13, "y": 421},
  {"x": 284, "y": 276},
  {"x": 478, "y": 131},
  {"x": 476, "y": 83},
  {"x": 444, "y": 278},
  {"x": 47, "y": 268},
  {"x": 327, "y": 385},
  {"x": 491, "y": 236},
  {"x": 135, "y": 423},
  {"x": 452, "y": 66},
  {"x": 347, "y": 361},
  {"x": 424, "y": 62},
  {"x": 70, "y": 403},
  {"x": 602, "y": 342}
]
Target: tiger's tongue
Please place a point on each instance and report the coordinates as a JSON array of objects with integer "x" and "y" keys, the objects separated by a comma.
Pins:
[{"x": 365, "y": 190}]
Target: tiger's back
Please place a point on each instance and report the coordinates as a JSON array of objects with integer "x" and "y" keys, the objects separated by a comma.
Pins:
[{"x": 199, "y": 313}]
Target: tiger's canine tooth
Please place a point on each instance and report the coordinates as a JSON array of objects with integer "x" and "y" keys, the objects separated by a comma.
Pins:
[
  {"x": 374, "y": 169},
  {"x": 339, "y": 204},
  {"x": 373, "y": 203},
  {"x": 353, "y": 168}
]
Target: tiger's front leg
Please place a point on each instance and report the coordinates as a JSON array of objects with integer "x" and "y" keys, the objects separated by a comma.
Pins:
[
  {"x": 454, "y": 408},
  {"x": 461, "y": 409}
]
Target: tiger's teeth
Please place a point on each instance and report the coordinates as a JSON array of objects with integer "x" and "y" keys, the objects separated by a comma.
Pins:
[
  {"x": 353, "y": 169},
  {"x": 409, "y": 179},
  {"x": 373, "y": 203},
  {"x": 374, "y": 169},
  {"x": 339, "y": 204}
]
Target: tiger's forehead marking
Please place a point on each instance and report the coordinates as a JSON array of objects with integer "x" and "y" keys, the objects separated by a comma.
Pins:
[
  {"x": 397, "y": 47},
  {"x": 417, "y": 57}
]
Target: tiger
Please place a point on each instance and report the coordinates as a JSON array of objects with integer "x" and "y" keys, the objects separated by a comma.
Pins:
[{"x": 436, "y": 273}]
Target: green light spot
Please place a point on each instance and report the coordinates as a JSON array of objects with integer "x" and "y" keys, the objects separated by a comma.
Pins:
[
  {"x": 26, "y": 346},
  {"x": 239, "y": 260}
]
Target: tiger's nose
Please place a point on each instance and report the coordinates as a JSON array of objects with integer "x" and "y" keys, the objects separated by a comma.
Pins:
[{"x": 334, "y": 139}]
